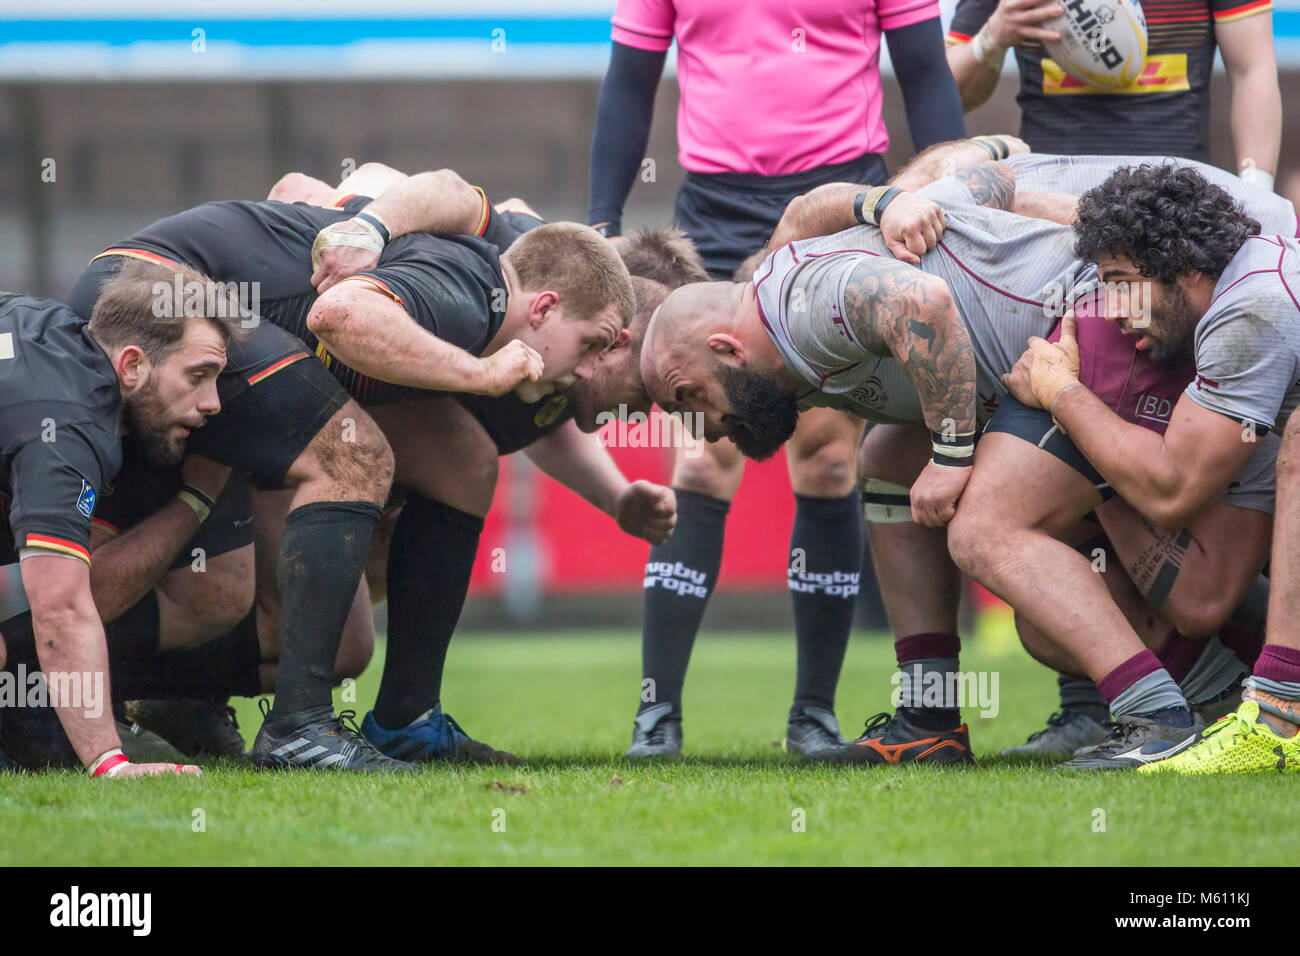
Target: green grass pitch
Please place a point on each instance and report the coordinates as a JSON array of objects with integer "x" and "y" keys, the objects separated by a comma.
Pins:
[{"x": 566, "y": 703}]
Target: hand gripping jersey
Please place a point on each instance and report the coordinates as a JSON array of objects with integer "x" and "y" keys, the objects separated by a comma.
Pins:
[{"x": 1009, "y": 277}]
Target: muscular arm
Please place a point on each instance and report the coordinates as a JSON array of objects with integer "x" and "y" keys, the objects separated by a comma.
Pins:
[
  {"x": 1170, "y": 479},
  {"x": 127, "y": 565},
  {"x": 895, "y": 309},
  {"x": 991, "y": 184},
  {"x": 436, "y": 202},
  {"x": 976, "y": 81},
  {"x": 1256, "y": 108},
  {"x": 367, "y": 330},
  {"x": 70, "y": 640}
]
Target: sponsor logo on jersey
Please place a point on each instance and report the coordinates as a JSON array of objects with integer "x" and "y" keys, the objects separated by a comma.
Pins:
[
  {"x": 1162, "y": 73},
  {"x": 6, "y": 345},
  {"x": 86, "y": 500},
  {"x": 551, "y": 411}
]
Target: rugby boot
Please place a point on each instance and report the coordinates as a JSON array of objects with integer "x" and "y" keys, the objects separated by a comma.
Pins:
[
  {"x": 893, "y": 738},
  {"x": 1138, "y": 740},
  {"x": 1066, "y": 731},
  {"x": 197, "y": 728},
  {"x": 657, "y": 732},
  {"x": 813, "y": 733},
  {"x": 433, "y": 736},
  {"x": 316, "y": 739}
]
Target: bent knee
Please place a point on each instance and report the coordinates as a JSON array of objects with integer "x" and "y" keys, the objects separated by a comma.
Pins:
[{"x": 716, "y": 471}]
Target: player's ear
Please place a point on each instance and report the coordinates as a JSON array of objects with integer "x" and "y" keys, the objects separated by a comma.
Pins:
[
  {"x": 622, "y": 341},
  {"x": 722, "y": 343},
  {"x": 540, "y": 308},
  {"x": 132, "y": 366}
]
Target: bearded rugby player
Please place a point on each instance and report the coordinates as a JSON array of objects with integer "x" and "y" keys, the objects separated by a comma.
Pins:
[
  {"x": 143, "y": 362},
  {"x": 1222, "y": 294}
]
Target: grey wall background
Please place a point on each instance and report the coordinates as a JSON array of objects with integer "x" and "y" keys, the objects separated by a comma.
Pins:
[{"x": 124, "y": 154}]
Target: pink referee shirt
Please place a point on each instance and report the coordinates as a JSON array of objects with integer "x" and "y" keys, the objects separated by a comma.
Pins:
[{"x": 772, "y": 86}]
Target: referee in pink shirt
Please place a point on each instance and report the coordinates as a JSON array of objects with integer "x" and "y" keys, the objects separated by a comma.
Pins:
[{"x": 776, "y": 98}]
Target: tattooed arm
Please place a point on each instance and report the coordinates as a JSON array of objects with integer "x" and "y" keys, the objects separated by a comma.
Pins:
[
  {"x": 1198, "y": 575},
  {"x": 990, "y": 184},
  {"x": 895, "y": 309}
]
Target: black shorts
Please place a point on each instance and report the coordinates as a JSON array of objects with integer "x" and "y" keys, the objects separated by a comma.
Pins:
[
  {"x": 1036, "y": 426},
  {"x": 269, "y": 417},
  {"x": 514, "y": 424},
  {"x": 730, "y": 216}
]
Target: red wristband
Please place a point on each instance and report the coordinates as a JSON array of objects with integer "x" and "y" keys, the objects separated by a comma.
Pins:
[{"x": 104, "y": 767}]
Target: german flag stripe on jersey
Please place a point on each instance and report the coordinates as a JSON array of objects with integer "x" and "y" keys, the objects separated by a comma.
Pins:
[
  {"x": 484, "y": 213},
  {"x": 338, "y": 203},
  {"x": 1245, "y": 10},
  {"x": 138, "y": 254},
  {"x": 272, "y": 369},
  {"x": 954, "y": 37},
  {"x": 378, "y": 285},
  {"x": 103, "y": 525},
  {"x": 48, "y": 542}
]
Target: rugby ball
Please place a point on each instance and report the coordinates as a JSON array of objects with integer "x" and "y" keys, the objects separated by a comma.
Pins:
[{"x": 1103, "y": 42}]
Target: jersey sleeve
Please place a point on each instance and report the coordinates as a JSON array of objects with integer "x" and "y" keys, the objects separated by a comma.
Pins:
[
  {"x": 903, "y": 13},
  {"x": 1243, "y": 367},
  {"x": 969, "y": 16},
  {"x": 645, "y": 24},
  {"x": 55, "y": 486},
  {"x": 1226, "y": 11},
  {"x": 444, "y": 286}
]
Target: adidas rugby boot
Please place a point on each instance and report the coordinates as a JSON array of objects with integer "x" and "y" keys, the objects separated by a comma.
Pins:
[{"x": 318, "y": 740}]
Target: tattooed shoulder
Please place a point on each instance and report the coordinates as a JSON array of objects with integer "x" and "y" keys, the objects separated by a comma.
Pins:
[{"x": 992, "y": 184}]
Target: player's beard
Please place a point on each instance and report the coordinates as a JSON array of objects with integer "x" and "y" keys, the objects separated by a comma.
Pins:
[
  {"x": 151, "y": 423},
  {"x": 1173, "y": 327},
  {"x": 763, "y": 414}
]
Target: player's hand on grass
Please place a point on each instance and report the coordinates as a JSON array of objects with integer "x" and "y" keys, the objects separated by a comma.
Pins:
[
  {"x": 154, "y": 770},
  {"x": 1015, "y": 21},
  {"x": 911, "y": 226},
  {"x": 204, "y": 474},
  {"x": 934, "y": 494},
  {"x": 1055, "y": 365},
  {"x": 646, "y": 510},
  {"x": 508, "y": 368},
  {"x": 334, "y": 258}
]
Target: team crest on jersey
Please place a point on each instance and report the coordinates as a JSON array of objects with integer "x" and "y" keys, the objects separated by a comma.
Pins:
[
  {"x": 86, "y": 500},
  {"x": 871, "y": 392},
  {"x": 549, "y": 412}
]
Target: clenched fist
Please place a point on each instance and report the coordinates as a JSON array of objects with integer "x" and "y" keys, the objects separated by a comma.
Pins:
[
  {"x": 646, "y": 510},
  {"x": 935, "y": 492},
  {"x": 509, "y": 367}
]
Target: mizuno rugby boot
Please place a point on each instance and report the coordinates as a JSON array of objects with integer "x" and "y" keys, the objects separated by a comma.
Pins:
[
  {"x": 892, "y": 738},
  {"x": 1066, "y": 731},
  {"x": 813, "y": 733},
  {"x": 1138, "y": 740},
  {"x": 197, "y": 728},
  {"x": 657, "y": 732},
  {"x": 1238, "y": 743},
  {"x": 432, "y": 736},
  {"x": 318, "y": 740}
]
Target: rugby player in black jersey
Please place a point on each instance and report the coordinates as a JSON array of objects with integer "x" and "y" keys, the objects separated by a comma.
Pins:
[
  {"x": 145, "y": 362},
  {"x": 420, "y": 320}
]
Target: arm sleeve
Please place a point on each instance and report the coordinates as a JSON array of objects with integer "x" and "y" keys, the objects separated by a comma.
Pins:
[
  {"x": 443, "y": 285},
  {"x": 618, "y": 142},
  {"x": 1243, "y": 367},
  {"x": 969, "y": 16},
  {"x": 54, "y": 489},
  {"x": 934, "y": 112}
]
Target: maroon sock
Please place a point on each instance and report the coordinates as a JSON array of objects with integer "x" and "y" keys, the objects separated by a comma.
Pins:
[
  {"x": 1279, "y": 663},
  {"x": 935, "y": 644},
  {"x": 1141, "y": 664},
  {"x": 1179, "y": 653}
]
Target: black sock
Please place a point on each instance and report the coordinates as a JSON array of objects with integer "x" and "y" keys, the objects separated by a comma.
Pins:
[
  {"x": 429, "y": 564},
  {"x": 322, "y": 556},
  {"x": 679, "y": 576},
  {"x": 824, "y": 575},
  {"x": 1081, "y": 694},
  {"x": 225, "y": 666}
]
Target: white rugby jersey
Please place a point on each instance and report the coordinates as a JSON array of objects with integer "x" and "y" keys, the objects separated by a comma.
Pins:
[{"x": 1009, "y": 277}]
